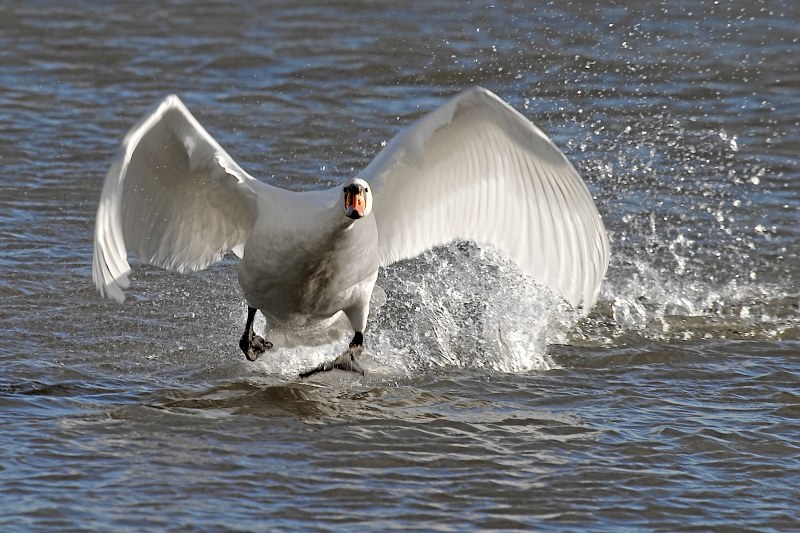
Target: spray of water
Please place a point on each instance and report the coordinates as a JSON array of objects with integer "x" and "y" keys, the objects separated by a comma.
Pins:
[{"x": 695, "y": 222}]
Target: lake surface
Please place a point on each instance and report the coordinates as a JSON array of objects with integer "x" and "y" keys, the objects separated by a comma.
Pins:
[{"x": 674, "y": 405}]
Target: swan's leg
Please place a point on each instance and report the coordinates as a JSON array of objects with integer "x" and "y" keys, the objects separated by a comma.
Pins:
[
  {"x": 346, "y": 361},
  {"x": 251, "y": 344}
]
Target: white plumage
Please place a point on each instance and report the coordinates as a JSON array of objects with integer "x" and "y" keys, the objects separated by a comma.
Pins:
[{"x": 472, "y": 169}]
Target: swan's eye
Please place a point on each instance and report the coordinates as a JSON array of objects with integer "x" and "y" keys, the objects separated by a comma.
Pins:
[{"x": 366, "y": 189}]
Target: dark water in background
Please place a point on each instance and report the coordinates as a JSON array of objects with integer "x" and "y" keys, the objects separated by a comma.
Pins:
[{"x": 675, "y": 405}]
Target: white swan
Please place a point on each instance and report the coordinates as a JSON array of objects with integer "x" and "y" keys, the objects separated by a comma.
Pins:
[{"x": 472, "y": 169}]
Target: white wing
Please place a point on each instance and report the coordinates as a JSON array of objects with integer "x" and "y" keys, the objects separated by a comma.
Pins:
[
  {"x": 477, "y": 169},
  {"x": 173, "y": 197}
]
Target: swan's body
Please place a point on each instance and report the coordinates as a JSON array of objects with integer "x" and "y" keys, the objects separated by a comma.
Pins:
[
  {"x": 472, "y": 169},
  {"x": 310, "y": 262}
]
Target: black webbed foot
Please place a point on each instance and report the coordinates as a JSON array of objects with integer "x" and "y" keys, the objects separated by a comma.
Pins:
[
  {"x": 254, "y": 347},
  {"x": 251, "y": 344}
]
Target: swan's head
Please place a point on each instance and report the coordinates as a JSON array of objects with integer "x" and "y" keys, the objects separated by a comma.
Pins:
[{"x": 356, "y": 199}]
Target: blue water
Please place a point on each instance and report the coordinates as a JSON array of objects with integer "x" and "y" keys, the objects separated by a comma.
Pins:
[{"x": 488, "y": 405}]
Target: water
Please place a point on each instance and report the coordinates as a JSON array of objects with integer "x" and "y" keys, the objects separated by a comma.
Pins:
[{"x": 674, "y": 405}]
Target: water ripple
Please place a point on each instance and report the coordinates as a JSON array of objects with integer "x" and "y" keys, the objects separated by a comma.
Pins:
[{"x": 488, "y": 405}]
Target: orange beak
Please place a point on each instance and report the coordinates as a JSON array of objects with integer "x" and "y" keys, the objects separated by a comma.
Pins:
[{"x": 355, "y": 204}]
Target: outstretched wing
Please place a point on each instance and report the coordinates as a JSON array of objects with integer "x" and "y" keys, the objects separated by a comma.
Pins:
[
  {"x": 173, "y": 197},
  {"x": 477, "y": 169}
]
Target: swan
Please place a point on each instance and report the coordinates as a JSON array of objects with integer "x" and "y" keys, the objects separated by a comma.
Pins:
[{"x": 473, "y": 169}]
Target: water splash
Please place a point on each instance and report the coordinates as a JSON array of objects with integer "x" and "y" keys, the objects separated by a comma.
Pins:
[
  {"x": 466, "y": 306},
  {"x": 691, "y": 257}
]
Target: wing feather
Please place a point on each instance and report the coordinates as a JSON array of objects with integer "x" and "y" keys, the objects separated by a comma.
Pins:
[
  {"x": 173, "y": 197},
  {"x": 477, "y": 169}
]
